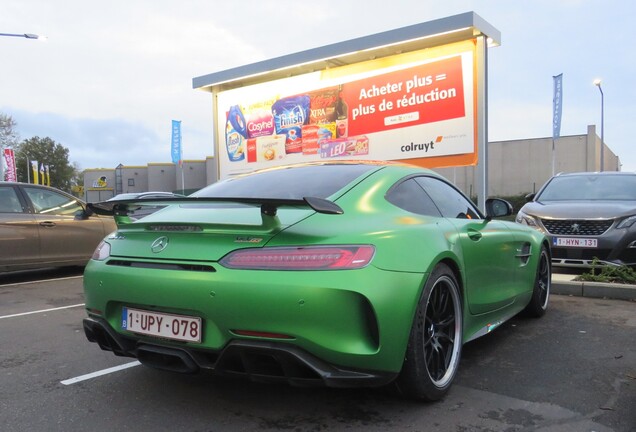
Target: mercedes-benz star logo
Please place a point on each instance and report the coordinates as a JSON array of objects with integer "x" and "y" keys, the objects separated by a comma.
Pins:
[
  {"x": 160, "y": 244},
  {"x": 575, "y": 228}
]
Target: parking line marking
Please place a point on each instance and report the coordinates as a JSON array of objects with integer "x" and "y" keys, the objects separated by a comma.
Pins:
[
  {"x": 42, "y": 311},
  {"x": 39, "y": 280},
  {"x": 100, "y": 373}
]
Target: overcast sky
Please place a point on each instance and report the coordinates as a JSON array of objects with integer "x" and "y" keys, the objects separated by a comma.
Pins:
[{"x": 113, "y": 75}]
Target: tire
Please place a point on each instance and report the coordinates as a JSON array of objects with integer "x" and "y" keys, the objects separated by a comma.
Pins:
[
  {"x": 541, "y": 289},
  {"x": 435, "y": 342}
]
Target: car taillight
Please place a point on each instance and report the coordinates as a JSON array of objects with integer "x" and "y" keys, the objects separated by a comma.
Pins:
[
  {"x": 300, "y": 258},
  {"x": 101, "y": 252}
]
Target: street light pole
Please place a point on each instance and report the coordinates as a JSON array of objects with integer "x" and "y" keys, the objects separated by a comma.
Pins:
[
  {"x": 597, "y": 83},
  {"x": 23, "y": 35}
]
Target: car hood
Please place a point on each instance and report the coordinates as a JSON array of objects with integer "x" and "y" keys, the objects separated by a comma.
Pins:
[
  {"x": 580, "y": 209},
  {"x": 200, "y": 232}
]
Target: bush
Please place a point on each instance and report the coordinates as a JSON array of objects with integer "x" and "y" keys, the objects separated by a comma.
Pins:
[{"x": 613, "y": 274}]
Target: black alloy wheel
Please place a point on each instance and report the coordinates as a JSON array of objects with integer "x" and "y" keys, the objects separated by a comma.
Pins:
[{"x": 435, "y": 342}]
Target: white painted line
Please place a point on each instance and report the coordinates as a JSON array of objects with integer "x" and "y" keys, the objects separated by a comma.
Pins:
[
  {"x": 99, "y": 373},
  {"x": 39, "y": 281},
  {"x": 41, "y": 311}
]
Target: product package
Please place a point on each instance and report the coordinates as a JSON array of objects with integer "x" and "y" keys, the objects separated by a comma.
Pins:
[
  {"x": 313, "y": 135},
  {"x": 339, "y": 147},
  {"x": 266, "y": 148},
  {"x": 290, "y": 114}
]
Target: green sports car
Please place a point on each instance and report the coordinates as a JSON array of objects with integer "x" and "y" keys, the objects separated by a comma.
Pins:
[{"x": 338, "y": 274}]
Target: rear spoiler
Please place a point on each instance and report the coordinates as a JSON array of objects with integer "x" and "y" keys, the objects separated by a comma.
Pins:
[{"x": 269, "y": 206}]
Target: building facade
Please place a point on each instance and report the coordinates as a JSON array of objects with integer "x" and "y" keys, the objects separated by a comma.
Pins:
[
  {"x": 102, "y": 183},
  {"x": 514, "y": 168},
  {"x": 519, "y": 167}
]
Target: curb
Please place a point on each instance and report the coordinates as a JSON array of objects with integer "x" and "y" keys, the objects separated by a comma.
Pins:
[{"x": 594, "y": 290}]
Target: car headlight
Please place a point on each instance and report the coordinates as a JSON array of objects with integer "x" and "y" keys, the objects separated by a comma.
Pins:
[
  {"x": 526, "y": 219},
  {"x": 627, "y": 222}
]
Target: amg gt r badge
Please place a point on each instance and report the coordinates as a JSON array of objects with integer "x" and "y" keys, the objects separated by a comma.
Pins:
[{"x": 248, "y": 240}]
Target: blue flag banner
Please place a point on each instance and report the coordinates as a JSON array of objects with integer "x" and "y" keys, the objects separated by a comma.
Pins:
[
  {"x": 557, "y": 105},
  {"x": 176, "y": 142}
]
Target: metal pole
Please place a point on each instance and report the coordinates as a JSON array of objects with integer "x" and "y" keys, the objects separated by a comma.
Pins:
[
  {"x": 22, "y": 35},
  {"x": 182, "y": 179},
  {"x": 2, "y": 164},
  {"x": 553, "y": 158},
  {"x": 602, "y": 129},
  {"x": 597, "y": 83},
  {"x": 28, "y": 169},
  {"x": 482, "y": 120}
]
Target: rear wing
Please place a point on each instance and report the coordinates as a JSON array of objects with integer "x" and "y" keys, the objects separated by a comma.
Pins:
[{"x": 268, "y": 206}]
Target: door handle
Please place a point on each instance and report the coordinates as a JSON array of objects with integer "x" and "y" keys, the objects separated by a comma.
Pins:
[
  {"x": 47, "y": 224},
  {"x": 474, "y": 234}
]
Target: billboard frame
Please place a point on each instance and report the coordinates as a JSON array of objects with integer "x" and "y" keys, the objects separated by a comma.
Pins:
[{"x": 416, "y": 37}]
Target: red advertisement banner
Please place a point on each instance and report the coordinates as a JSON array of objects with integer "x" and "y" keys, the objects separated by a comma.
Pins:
[
  {"x": 9, "y": 160},
  {"x": 425, "y": 94}
]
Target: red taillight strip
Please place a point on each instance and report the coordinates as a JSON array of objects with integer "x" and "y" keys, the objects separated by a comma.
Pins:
[{"x": 300, "y": 258}]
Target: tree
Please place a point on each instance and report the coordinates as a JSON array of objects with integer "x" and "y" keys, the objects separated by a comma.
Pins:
[
  {"x": 8, "y": 135},
  {"x": 47, "y": 152}
]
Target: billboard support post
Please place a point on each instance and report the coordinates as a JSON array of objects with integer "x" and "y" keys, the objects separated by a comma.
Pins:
[{"x": 482, "y": 120}]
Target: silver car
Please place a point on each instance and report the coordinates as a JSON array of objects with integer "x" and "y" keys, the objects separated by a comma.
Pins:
[
  {"x": 589, "y": 215},
  {"x": 44, "y": 227}
]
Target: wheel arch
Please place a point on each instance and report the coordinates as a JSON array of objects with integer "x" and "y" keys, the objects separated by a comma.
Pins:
[{"x": 455, "y": 268}]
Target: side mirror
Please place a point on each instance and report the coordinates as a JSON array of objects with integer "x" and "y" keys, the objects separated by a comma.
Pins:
[
  {"x": 496, "y": 207},
  {"x": 83, "y": 214},
  {"x": 530, "y": 197}
]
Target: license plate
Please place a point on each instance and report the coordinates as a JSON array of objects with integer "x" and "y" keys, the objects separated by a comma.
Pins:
[
  {"x": 574, "y": 242},
  {"x": 169, "y": 326}
]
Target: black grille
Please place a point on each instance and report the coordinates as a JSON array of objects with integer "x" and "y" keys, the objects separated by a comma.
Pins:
[
  {"x": 574, "y": 227},
  {"x": 580, "y": 254},
  {"x": 161, "y": 266}
]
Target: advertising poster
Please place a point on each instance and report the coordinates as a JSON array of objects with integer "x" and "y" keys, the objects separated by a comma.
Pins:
[{"x": 419, "y": 111}]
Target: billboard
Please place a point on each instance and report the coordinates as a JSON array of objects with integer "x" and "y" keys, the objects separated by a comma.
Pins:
[{"x": 418, "y": 107}]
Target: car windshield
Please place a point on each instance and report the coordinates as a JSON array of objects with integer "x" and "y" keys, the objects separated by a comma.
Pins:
[
  {"x": 319, "y": 181},
  {"x": 590, "y": 188}
]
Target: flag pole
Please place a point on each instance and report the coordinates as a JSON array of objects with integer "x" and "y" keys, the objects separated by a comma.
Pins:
[{"x": 557, "y": 108}]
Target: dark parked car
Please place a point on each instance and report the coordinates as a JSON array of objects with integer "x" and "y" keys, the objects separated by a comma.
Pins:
[
  {"x": 44, "y": 227},
  {"x": 586, "y": 215}
]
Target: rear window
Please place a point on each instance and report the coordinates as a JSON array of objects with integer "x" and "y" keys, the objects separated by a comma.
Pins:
[
  {"x": 590, "y": 187},
  {"x": 319, "y": 181}
]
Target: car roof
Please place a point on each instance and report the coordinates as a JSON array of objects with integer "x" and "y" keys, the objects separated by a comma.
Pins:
[{"x": 597, "y": 173}]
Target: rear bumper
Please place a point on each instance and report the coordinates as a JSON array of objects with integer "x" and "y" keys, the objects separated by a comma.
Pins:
[{"x": 259, "y": 361}]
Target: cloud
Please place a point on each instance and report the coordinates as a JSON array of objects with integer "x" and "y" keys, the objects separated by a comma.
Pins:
[
  {"x": 96, "y": 143},
  {"x": 116, "y": 73}
]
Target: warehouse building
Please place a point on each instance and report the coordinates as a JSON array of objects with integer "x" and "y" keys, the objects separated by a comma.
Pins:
[{"x": 514, "y": 167}]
